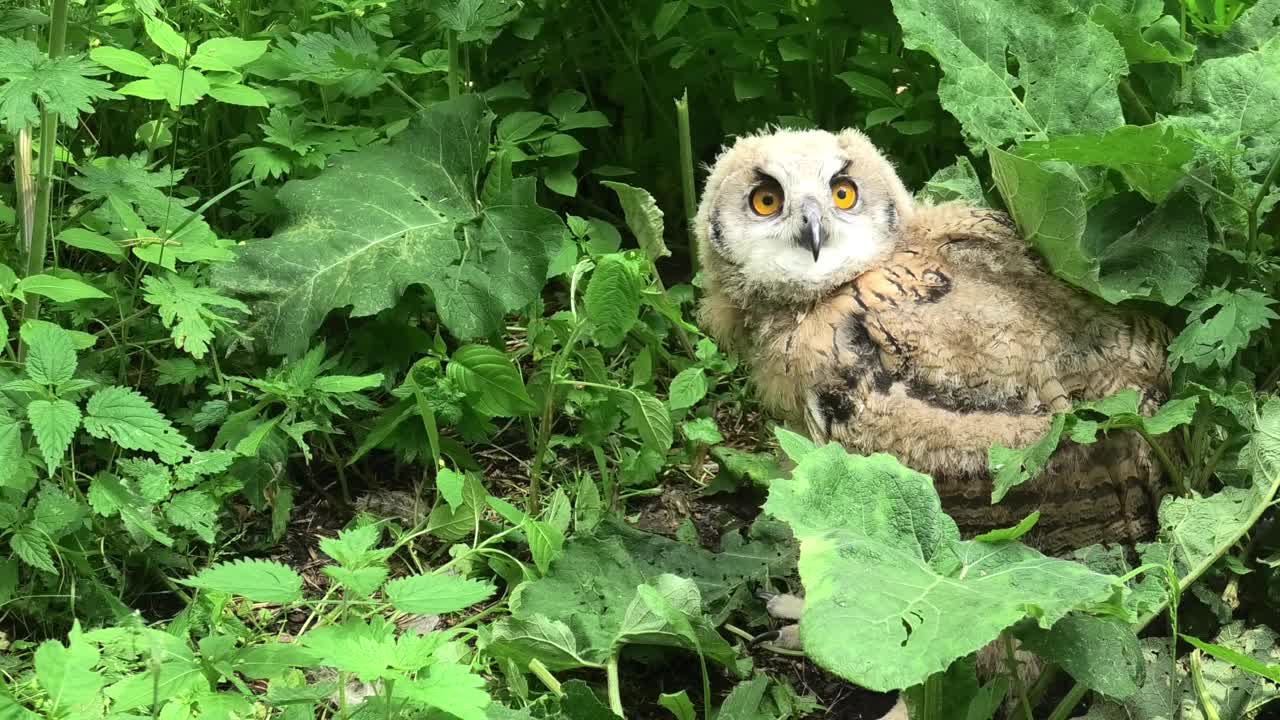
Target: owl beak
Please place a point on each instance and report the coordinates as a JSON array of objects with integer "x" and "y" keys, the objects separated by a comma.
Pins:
[{"x": 811, "y": 232}]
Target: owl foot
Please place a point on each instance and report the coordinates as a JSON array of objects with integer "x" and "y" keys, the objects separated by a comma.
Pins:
[{"x": 783, "y": 607}]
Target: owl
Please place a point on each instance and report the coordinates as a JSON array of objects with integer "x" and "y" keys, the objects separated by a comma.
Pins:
[{"x": 930, "y": 332}]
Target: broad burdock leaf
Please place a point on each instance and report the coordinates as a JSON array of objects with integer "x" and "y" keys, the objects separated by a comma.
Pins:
[
  {"x": 51, "y": 352},
  {"x": 1151, "y": 158},
  {"x": 612, "y": 300},
  {"x": 1163, "y": 258},
  {"x": 436, "y": 594},
  {"x": 388, "y": 216},
  {"x": 892, "y": 595},
  {"x": 957, "y": 181},
  {"x": 53, "y": 422},
  {"x": 688, "y": 388},
  {"x": 980, "y": 44},
  {"x": 256, "y": 580},
  {"x": 186, "y": 310},
  {"x": 494, "y": 386},
  {"x": 29, "y": 78},
  {"x": 1101, "y": 653},
  {"x": 1144, "y": 31},
  {"x": 127, "y": 418},
  {"x": 644, "y": 218}
]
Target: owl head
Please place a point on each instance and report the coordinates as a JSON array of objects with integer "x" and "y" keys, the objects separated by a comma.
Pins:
[{"x": 789, "y": 215}]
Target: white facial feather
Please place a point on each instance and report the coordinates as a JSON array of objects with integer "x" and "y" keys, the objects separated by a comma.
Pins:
[{"x": 763, "y": 256}]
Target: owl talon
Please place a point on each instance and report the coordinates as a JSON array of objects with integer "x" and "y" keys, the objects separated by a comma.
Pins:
[{"x": 783, "y": 606}]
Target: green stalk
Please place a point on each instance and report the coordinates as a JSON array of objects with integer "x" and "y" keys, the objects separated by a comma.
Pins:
[
  {"x": 615, "y": 691},
  {"x": 542, "y": 673},
  {"x": 686, "y": 176},
  {"x": 454, "y": 70},
  {"x": 1015, "y": 680},
  {"x": 44, "y": 181},
  {"x": 1253, "y": 207}
]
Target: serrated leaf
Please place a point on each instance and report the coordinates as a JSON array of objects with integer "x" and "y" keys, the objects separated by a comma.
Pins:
[
  {"x": 255, "y": 580},
  {"x": 1219, "y": 326},
  {"x": 1152, "y": 158},
  {"x": 436, "y": 594},
  {"x": 612, "y": 300},
  {"x": 59, "y": 289},
  {"x": 63, "y": 85},
  {"x": 452, "y": 688},
  {"x": 108, "y": 496},
  {"x": 51, "y": 354},
  {"x": 127, "y": 418},
  {"x": 687, "y": 388},
  {"x": 194, "y": 510},
  {"x": 354, "y": 547},
  {"x": 32, "y": 548},
  {"x": 380, "y": 219},
  {"x": 187, "y": 310},
  {"x": 53, "y": 422},
  {"x": 347, "y": 383},
  {"x": 545, "y": 542},
  {"x": 644, "y": 218},
  {"x": 494, "y": 386}
]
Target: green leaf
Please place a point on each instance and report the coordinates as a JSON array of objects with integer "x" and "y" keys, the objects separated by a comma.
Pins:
[
  {"x": 669, "y": 15},
  {"x": 378, "y": 220},
  {"x": 1152, "y": 158},
  {"x": 701, "y": 431},
  {"x": 651, "y": 420},
  {"x": 1101, "y": 653},
  {"x": 67, "y": 674},
  {"x": 892, "y": 595},
  {"x": 33, "y": 549},
  {"x": 679, "y": 705},
  {"x": 227, "y": 54},
  {"x": 187, "y": 311},
  {"x": 687, "y": 388},
  {"x": 449, "y": 483},
  {"x": 796, "y": 446},
  {"x": 59, "y": 289},
  {"x": 980, "y": 44},
  {"x": 1162, "y": 259},
  {"x": 235, "y": 94},
  {"x": 1012, "y": 467},
  {"x": 108, "y": 496},
  {"x": 51, "y": 354},
  {"x": 957, "y": 181},
  {"x": 30, "y": 79},
  {"x": 436, "y": 594},
  {"x": 196, "y": 511},
  {"x": 338, "y": 384},
  {"x": 86, "y": 240},
  {"x": 1145, "y": 33},
  {"x": 1237, "y": 659},
  {"x": 644, "y": 218},
  {"x": 1219, "y": 326},
  {"x": 167, "y": 82},
  {"x": 120, "y": 60},
  {"x": 612, "y": 299},
  {"x": 545, "y": 542},
  {"x": 869, "y": 86},
  {"x": 354, "y": 547},
  {"x": 165, "y": 37},
  {"x": 54, "y": 422},
  {"x": 127, "y": 418},
  {"x": 1013, "y": 533},
  {"x": 256, "y": 580},
  {"x": 452, "y": 688},
  {"x": 494, "y": 386}
]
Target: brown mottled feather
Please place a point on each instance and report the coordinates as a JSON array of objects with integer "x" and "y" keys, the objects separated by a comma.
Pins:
[{"x": 959, "y": 340}]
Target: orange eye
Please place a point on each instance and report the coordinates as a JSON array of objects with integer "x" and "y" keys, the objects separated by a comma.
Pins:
[
  {"x": 766, "y": 201},
  {"x": 844, "y": 194}
]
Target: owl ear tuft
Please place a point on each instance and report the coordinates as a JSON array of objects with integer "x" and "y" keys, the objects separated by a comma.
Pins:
[{"x": 867, "y": 156}]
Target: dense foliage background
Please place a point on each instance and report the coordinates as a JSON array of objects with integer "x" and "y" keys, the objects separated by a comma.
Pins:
[{"x": 348, "y": 367}]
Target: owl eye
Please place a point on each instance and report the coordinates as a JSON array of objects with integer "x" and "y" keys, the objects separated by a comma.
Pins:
[
  {"x": 766, "y": 200},
  {"x": 844, "y": 194}
]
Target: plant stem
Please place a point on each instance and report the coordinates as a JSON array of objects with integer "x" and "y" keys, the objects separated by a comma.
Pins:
[
  {"x": 542, "y": 673},
  {"x": 1126, "y": 92},
  {"x": 1068, "y": 704},
  {"x": 44, "y": 180},
  {"x": 1015, "y": 680},
  {"x": 1253, "y": 207},
  {"x": 1202, "y": 693},
  {"x": 615, "y": 691},
  {"x": 686, "y": 177},
  {"x": 454, "y": 70},
  {"x": 1175, "y": 472}
]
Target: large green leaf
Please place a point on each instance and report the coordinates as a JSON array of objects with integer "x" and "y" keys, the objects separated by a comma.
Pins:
[
  {"x": 385, "y": 217},
  {"x": 129, "y": 419},
  {"x": 891, "y": 595},
  {"x": 980, "y": 44},
  {"x": 589, "y": 603},
  {"x": 1151, "y": 158}
]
